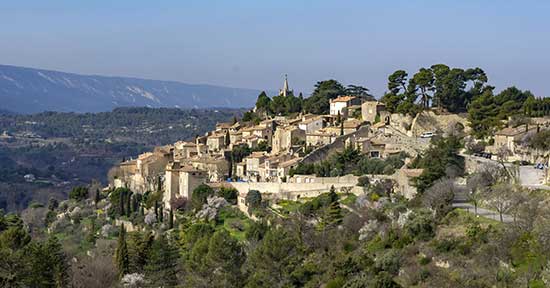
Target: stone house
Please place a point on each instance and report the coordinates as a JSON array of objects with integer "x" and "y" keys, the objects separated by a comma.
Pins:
[
  {"x": 510, "y": 137},
  {"x": 217, "y": 168},
  {"x": 262, "y": 131},
  {"x": 269, "y": 171},
  {"x": 252, "y": 141},
  {"x": 216, "y": 141},
  {"x": 339, "y": 105},
  {"x": 351, "y": 125},
  {"x": 180, "y": 181},
  {"x": 370, "y": 110},
  {"x": 311, "y": 124},
  {"x": 223, "y": 126},
  {"x": 142, "y": 174},
  {"x": 321, "y": 137},
  {"x": 235, "y": 137},
  {"x": 254, "y": 164},
  {"x": 185, "y": 150},
  {"x": 285, "y": 137},
  {"x": 240, "y": 170}
]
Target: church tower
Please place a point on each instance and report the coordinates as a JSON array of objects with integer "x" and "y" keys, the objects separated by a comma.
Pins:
[{"x": 286, "y": 90}]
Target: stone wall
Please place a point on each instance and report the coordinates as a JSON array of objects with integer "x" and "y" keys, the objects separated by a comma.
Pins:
[{"x": 338, "y": 145}]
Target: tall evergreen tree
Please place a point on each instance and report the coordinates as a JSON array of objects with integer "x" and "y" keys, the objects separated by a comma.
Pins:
[
  {"x": 171, "y": 220},
  {"x": 97, "y": 197},
  {"x": 121, "y": 202},
  {"x": 122, "y": 259},
  {"x": 58, "y": 261},
  {"x": 162, "y": 265},
  {"x": 225, "y": 256},
  {"x": 129, "y": 205}
]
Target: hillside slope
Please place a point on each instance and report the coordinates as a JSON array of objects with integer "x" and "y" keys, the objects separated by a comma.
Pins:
[{"x": 27, "y": 90}]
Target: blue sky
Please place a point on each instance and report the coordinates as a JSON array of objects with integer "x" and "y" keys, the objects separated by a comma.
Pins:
[{"x": 254, "y": 43}]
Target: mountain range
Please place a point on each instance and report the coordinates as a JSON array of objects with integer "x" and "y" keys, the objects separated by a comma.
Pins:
[{"x": 28, "y": 90}]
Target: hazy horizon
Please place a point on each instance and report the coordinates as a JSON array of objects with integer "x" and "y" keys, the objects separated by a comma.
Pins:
[{"x": 249, "y": 44}]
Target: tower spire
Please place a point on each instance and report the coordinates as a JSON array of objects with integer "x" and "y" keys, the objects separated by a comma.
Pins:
[
  {"x": 285, "y": 86},
  {"x": 286, "y": 90}
]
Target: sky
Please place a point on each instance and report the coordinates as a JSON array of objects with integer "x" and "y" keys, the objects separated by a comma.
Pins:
[{"x": 252, "y": 44}]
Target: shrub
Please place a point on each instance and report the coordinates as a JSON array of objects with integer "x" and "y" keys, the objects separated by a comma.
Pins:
[
  {"x": 229, "y": 194},
  {"x": 78, "y": 193},
  {"x": 363, "y": 181}
]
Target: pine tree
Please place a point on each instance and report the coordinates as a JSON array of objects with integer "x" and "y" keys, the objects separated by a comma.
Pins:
[
  {"x": 162, "y": 265},
  {"x": 58, "y": 262},
  {"x": 121, "y": 254},
  {"x": 171, "y": 220},
  {"x": 334, "y": 214},
  {"x": 225, "y": 256}
]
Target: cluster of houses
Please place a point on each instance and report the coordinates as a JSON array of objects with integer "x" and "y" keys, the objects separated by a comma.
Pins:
[{"x": 179, "y": 168}]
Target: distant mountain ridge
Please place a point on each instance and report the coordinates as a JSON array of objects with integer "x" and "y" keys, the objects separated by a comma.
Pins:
[{"x": 29, "y": 90}]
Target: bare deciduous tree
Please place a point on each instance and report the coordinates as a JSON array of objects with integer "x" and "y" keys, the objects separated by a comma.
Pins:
[
  {"x": 500, "y": 198},
  {"x": 440, "y": 196}
]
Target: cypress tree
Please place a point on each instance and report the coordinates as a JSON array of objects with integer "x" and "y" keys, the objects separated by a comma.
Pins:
[
  {"x": 227, "y": 139},
  {"x": 161, "y": 214},
  {"x": 128, "y": 205},
  {"x": 121, "y": 255},
  {"x": 121, "y": 203},
  {"x": 97, "y": 197},
  {"x": 341, "y": 128},
  {"x": 157, "y": 209},
  {"x": 171, "y": 220}
]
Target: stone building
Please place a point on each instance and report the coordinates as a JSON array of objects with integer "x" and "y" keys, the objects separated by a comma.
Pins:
[
  {"x": 339, "y": 105},
  {"x": 142, "y": 174},
  {"x": 253, "y": 164},
  {"x": 509, "y": 138},
  {"x": 216, "y": 142},
  {"x": 216, "y": 167},
  {"x": 185, "y": 150},
  {"x": 180, "y": 181},
  {"x": 311, "y": 124},
  {"x": 321, "y": 137},
  {"x": 371, "y": 110},
  {"x": 285, "y": 137}
]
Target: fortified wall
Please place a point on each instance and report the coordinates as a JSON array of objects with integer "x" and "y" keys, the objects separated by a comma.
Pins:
[{"x": 338, "y": 145}]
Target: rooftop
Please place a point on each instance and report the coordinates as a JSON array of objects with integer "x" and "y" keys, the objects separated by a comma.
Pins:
[{"x": 343, "y": 99}]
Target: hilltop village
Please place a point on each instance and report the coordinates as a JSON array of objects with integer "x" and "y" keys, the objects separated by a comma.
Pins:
[
  {"x": 417, "y": 188},
  {"x": 270, "y": 153}
]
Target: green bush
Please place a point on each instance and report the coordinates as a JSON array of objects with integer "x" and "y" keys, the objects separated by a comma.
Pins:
[{"x": 78, "y": 193}]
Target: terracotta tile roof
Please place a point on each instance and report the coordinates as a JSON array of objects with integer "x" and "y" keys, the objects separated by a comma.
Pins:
[{"x": 343, "y": 99}]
